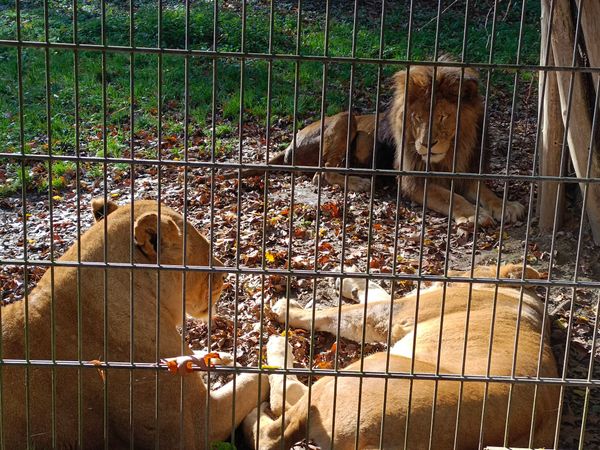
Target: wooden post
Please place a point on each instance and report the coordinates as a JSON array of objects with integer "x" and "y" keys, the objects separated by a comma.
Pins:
[
  {"x": 590, "y": 26},
  {"x": 551, "y": 137},
  {"x": 579, "y": 127}
]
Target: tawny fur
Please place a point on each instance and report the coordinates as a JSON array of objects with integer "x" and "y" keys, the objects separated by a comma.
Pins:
[
  {"x": 407, "y": 147},
  {"x": 485, "y": 311},
  {"x": 417, "y": 150},
  {"x": 57, "y": 299}
]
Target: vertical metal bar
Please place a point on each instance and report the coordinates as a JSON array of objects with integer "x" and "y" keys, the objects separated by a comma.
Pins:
[
  {"x": 78, "y": 205},
  {"x": 291, "y": 215},
  {"x": 106, "y": 431},
  {"x": 590, "y": 377},
  {"x": 186, "y": 126},
  {"x": 396, "y": 224},
  {"x": 24, "y": 217},
  {"x": 159, "y": 112},
  {"x": 401, "y": 166},
  {"x": 370, "y": 226},
  {"x": 212, "y": 203},
  {"x": 239, "y": 206},
  {"x": 264, "y": 221},
  {"x": 51, "y": 223},
  {"x": 132, "y": 355},
  {"x": 494, "y": 304}
]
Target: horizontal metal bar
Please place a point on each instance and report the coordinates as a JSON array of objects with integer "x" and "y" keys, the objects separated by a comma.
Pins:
[
  {"x": 273, "y": 168},
  {"x": 286, "y": 56},
  {"x": 120, "y": 365},
  {"x": 304, "y": 273}
]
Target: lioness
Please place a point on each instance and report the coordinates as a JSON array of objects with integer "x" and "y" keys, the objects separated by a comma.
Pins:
[
  {"x": 66, "y": 321},
  {"x": 414, "y": 401}
]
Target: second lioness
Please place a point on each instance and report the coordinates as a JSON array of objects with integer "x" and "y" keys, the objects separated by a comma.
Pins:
[{"x": 451, "y": 330}]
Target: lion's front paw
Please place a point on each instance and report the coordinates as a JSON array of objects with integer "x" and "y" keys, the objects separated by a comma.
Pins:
[
  {"x": 484, "y": 219},
  {"x": 359, "y": 184},
  {"x": 513, "y": 211},
  {"x": 281, "y": 306}
]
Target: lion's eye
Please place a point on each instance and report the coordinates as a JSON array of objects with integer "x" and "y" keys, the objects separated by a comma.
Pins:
[{"x": 443, "y": 118}]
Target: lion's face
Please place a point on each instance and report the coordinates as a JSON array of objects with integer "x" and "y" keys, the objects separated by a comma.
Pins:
[
  {"x": 443, "y": 128},
  {"x": 434, "y": 140}
]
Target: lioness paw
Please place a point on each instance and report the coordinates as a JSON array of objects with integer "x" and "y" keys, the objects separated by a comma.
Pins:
[
  {"x": 351, "y": 287},
  {"x": 276, "y": 352},
  {"x": 223, "y": 359},
  {"x": 281, "y": 306}
]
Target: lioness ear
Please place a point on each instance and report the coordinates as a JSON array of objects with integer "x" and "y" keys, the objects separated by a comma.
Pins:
[
  {"x": 100, "y": 209},
  {"x": 145, "y": 232}
]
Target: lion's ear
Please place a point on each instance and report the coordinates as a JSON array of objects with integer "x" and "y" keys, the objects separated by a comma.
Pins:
[
  {"x": 100, "y": 209},
  {"x": 448, "y": 83},
  {"x": 145, "y": 232},
  {"x": 419, "y": 82},
  {"x": 470, "y": 87}
]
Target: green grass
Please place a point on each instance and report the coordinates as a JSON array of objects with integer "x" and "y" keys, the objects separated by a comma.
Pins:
[{"x": 113, "y": 83}]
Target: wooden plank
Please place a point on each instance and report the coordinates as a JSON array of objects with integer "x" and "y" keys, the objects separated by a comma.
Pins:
[
  {"x": 551, "y": 137},
  {"x": 590, "y": 25},
  {"x": 551, "y": 146},
  {"x": 579, "y": 129}
]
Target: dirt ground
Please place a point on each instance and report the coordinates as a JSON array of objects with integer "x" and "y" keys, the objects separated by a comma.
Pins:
[{"x": 378, "y": 232}]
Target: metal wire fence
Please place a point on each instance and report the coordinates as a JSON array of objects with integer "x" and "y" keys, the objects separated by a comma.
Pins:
[{"x": 135, "y": 100}]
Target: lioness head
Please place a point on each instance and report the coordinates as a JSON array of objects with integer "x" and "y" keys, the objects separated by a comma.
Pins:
[
  {"x": 445, "y": 101},
  {"x": 148, "y": 248}
]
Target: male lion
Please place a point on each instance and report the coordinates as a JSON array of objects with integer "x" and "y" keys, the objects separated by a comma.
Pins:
[
  {"x": 416, "y": 152},
  {"x": 407, "y": 148},
  {"x": 417, "y": 347},
  {"x": 64, "y": 320}
]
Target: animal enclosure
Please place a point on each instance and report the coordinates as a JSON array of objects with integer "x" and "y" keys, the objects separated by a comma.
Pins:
[{"x": 405, "y": 189}]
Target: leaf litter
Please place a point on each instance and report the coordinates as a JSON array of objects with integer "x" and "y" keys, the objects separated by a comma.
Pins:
[{"x": 307, "y": 235}]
